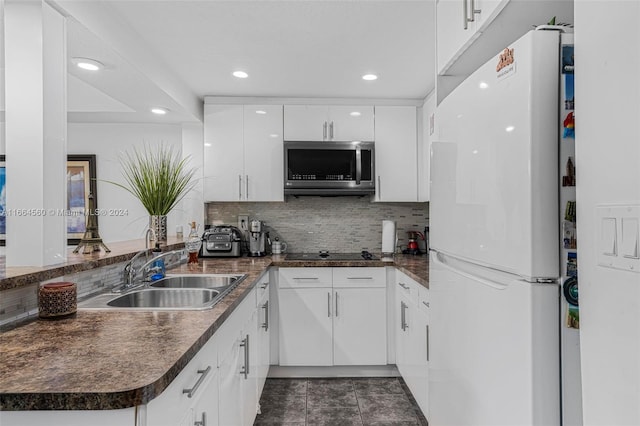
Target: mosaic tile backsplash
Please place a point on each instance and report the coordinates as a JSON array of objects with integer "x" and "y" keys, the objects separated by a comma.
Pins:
[{"x": 337, "y": 224}]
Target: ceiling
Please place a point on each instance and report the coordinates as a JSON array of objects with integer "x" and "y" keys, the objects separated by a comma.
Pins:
[{"x": 172, "y": 53}]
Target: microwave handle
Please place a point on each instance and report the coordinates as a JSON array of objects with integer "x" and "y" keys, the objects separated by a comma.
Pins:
[{"x": 358, "y": 164}]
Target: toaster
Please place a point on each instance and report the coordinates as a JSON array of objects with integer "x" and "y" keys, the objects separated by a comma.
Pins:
[{"x": 221, "y": 241}]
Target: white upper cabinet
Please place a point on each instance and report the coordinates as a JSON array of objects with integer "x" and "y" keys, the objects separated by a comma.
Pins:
[
  {"x": 396, "y": 153},
  {"x": 243, "y": 158},
  {"x": 327, "y": 123},
  {"x": 263, "y": 153},
  {"x": 223, "y": 152},
  {"x": 458, "y": 23},
  {"x": 492, "y": 26}
]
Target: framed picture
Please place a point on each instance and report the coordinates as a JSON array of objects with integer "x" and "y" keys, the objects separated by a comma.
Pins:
[{"x": 81, "y": 181}]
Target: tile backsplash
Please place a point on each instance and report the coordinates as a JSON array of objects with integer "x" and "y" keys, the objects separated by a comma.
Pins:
[{"x": 338, "y": 224}]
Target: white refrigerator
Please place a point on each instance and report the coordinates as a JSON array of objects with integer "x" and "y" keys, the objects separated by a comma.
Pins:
[{"x": 495, "y": 265}]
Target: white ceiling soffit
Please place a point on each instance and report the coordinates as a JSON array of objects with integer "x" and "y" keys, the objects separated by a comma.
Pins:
[
  {"x": 83, "y": 97},
  {"x": 133, "y": 75},
  {"x": 288, "y": 48}
]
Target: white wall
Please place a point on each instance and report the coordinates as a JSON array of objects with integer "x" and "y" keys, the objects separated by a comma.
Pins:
[
  {"x": 106, "y": 141},
  {"x": 607, "y": 59}
]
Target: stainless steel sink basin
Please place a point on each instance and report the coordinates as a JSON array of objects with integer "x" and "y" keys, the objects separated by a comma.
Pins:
[
  {"x": 165, "y": 298},
  {"x": 175, "y": 292},
  {"x": 220, "y": 281}
]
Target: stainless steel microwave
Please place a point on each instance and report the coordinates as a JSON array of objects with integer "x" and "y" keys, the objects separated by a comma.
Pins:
[{"x": 329, "y": 168}]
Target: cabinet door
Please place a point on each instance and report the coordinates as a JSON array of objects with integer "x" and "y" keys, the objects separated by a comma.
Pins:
[
  {"x": 305, "y": 326},
  {"x": 264, "y": 341},
  {"x": 231, "y": 401},
  {"x": 418, "y": 380},
  {"x": 351, "y": 123},
  {"x": 306, "y": 122},
  {"x": 263, "y": 159},
  {"x": 359, "y": 326},
  {"x": 205, "y": 410},
  {"x": 396, "y": 153},
  {"x": 250, "y": 351},
  {"x": 404, "y": 327},
  {"x": 453, "y": 31},
  {"x": 223, "y": 153}
]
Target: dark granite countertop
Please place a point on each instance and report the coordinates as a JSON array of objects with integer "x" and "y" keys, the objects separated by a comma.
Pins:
[{"x": 114, "y": 359}]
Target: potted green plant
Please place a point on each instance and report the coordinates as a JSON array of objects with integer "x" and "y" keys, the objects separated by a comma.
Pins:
[{"x": 159, "y": 177}]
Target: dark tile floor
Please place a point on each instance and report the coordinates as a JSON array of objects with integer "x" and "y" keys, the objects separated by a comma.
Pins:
[{"x": 338, "y": 402}]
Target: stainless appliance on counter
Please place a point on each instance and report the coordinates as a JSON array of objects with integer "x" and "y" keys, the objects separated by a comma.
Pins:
[
  {"x": 221, "y": 241},
  {"x": 257, "y": 239}
]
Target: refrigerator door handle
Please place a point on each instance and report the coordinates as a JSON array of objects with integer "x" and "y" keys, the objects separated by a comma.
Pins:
[{"x": 436, "y": 258}]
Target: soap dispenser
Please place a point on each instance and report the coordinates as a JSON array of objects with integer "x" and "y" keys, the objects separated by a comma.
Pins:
[{"x": 157, "y": 267}]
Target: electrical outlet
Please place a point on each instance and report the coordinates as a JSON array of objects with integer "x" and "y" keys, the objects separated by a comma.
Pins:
[{"x": 243, "y": 222}]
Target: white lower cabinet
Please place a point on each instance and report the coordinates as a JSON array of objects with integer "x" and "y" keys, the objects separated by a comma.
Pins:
[
  {"x": 412, "y": 337},
  {"x": 263, "y": 351},
  {"x": 205, "y": 410},
  {"x": 305, "y": 326},
  {"x": 332, "y": 316}
]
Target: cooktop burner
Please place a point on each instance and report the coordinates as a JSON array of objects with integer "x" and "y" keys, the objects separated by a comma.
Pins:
[{"x": 325, "y": 255}]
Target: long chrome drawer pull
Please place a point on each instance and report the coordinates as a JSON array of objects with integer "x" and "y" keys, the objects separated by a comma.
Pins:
[
  {"x": 427, "y": 343},
  {"x": 425, "y": 304},
  {"x": 306, "y": 278},
  {"x": 245, "y": 368},
  {"x": 192, "y": 391},
  {"x": 406, "y": 287},
  {"x": 359, "y": 278},
  {"x": 265, "y": 325}
]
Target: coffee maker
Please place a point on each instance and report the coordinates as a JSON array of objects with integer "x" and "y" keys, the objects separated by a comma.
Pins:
[{"x": 257, "y": 239}]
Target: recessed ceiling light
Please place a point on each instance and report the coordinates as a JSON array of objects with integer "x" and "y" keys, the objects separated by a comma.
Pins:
[
  {"x": 274, "y": 135},
  {"x": 261, "y": 112},
  {"x": 159, "y": 110},
  {"x": 207, "y": 144},
  {"x": 88, "y": 64},
  {"x": 240, "y": 74},
  {"x": 510, "y": 128},
  {"x": 355, "y": 114},
  {"x": 369, "y": 77},
  {"x": 483, "y": 85}
]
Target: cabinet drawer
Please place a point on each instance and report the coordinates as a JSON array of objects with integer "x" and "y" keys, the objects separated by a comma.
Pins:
[
  {"x": 305, "y": 278},
  {"x": 172, "y": 404},
  {"x": 407, "y": 286},
  {"x": 359, "y": 277},
  {"x": 262, "y": 287},
  {"x": 423, "y": 296}
]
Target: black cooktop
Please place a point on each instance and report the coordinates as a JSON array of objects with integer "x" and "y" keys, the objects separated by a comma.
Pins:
[{"x": 325, "y": 255}]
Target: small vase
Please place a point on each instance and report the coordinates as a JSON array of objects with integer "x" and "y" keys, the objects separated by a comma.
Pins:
[{"x": 159, "y": 226}]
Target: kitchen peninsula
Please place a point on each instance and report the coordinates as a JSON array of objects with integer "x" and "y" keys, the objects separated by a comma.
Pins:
[{"x": 110, "y": 360}]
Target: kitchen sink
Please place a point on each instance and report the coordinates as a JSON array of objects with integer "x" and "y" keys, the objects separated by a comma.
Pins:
[
  {"x": 174, "y": 292},
  {"x": 194, "y": 298},
  {"x": 197, "y": 281}
]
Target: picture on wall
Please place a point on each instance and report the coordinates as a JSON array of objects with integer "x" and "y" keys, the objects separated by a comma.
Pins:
[{"x": 81, "y": 181}]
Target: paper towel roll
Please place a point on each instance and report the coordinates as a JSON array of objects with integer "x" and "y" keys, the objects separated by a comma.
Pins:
[{"x": 388, "y": 236}]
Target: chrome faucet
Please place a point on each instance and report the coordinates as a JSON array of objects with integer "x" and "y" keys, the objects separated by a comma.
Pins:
[
  {"x": 131, "y": 272},
  {"x": 148, "y": 236}
]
